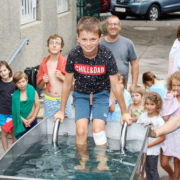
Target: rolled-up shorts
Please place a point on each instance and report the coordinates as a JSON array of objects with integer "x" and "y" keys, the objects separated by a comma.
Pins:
[{"x": 100, "y": 106}]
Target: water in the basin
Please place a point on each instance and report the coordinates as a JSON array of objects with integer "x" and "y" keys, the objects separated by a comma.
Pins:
[{"x": 76, "y": 162}]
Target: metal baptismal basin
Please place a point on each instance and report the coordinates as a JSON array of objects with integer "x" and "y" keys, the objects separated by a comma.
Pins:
[{"x": 113, "y": 130}]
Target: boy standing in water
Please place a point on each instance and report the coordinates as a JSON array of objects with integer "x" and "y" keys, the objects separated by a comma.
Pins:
[
  {"x": 94, "y": 68},
  {"x": 51, "y": 74}
]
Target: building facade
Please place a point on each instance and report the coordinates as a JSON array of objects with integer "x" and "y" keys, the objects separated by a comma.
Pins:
[{"x": 35, "y": 20}]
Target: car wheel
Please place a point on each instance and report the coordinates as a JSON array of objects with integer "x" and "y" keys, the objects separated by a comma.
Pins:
[{"x": 153, "y": 13}]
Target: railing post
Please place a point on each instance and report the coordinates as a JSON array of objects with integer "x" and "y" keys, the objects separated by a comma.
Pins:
[
  {"x": 123, "y": 138},
  {"x": 55, "y": 133},
  {"x": 18, "y": 50}
]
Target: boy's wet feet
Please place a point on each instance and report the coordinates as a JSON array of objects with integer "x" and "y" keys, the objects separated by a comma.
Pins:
[
  {"x": 80, "y": 167},
  {"x": 102, "y": 166},
  {"x": 82, "y": 163},
  {"x": 103, "y": 162}
]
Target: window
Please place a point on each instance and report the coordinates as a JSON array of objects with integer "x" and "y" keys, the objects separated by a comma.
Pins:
[
  {"x": 62, "y": 6},
  {"x": 27, "y": 11}
]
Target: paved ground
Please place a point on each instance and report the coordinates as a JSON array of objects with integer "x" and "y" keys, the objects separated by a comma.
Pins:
[{"x": 152, "y": 47}]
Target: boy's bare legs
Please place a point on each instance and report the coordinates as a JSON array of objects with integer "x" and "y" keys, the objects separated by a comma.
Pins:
[
  {"x": 81, "y": 141},
  {"x": 4, "y": 139},
  {"x": 82, "y": 131},
  {"x": 166, "y": 166},
  {"x": 82, "y": 149},
  {"x": 98, "y": 126},
  {"x": 13, "y": 137},
  {"x": 176, "y": 168},
  {"x": 102, "y": 157}
]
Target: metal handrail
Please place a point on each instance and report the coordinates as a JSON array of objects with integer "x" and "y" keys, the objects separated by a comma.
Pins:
[
  {"x": 123, "y": 138},
  {"x": 55, "y": 133},
  {"x": 18, "y": 50}
]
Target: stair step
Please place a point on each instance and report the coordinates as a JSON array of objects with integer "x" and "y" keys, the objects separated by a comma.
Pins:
[
  {"x": 41, "y": 103},
  {"x": 40, "y": 114}
]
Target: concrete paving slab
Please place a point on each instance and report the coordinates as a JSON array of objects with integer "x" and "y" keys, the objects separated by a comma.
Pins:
[{"x": 152, "y": 47}]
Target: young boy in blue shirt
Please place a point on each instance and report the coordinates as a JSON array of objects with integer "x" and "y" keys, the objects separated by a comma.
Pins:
[{"x": 95, "y": 71}]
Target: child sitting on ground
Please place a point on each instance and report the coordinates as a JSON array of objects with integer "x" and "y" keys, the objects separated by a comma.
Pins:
[
  {"x": 137, "y": 107},
  {"x": 52, "y": 74},
  {"x": 25, "y": 105},
  {"x": 153, "y": 105},
  {"x": 155, "y": 85},
  {"x": 127, "y": 97},
  {"x": 6, "y": 91},
  {"x": 171, "y": 108}
]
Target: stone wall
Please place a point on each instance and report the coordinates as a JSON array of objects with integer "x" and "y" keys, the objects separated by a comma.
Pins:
[{"x": 48, "y": 22}]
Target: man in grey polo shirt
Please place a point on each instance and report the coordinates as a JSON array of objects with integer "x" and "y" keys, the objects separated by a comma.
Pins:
[{"x": 123, "y": 50}]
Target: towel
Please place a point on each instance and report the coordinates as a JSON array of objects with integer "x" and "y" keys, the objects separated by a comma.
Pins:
[
  {"x": 170, "y": 106},
  {"x": 22, "y": 108},
  {"x": 174, "y": 58},
  {"x": 43, "y": 69}
]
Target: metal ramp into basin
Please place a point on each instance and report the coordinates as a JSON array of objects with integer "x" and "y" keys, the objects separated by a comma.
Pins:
[{"x": 45, "y": 127}]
